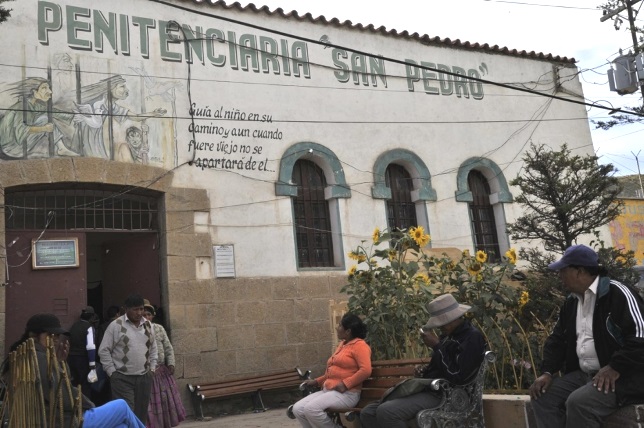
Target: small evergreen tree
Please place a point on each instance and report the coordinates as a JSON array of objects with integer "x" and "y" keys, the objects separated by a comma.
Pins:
[
  {"x": 564, "y": 196},
  {"x": 567, "y": 196}
]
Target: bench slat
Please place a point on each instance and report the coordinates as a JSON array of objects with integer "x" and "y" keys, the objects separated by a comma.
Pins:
[{"x": 260, "y": 383}]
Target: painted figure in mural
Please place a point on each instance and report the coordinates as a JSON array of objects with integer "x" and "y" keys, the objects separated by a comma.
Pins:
[
  {"x": 136, "y": 148},
  {"x": 28, "y": 125},
  {"x": 99, "y": 102}
]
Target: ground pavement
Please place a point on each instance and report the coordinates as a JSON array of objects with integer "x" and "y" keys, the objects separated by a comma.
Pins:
[{"x": 270, "y": 418}]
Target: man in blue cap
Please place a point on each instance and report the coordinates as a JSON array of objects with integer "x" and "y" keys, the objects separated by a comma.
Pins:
[{"x": 597, "y": 346}]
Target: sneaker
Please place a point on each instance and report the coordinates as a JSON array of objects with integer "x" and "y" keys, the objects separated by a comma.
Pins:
[{"x": 289, "y": 412}]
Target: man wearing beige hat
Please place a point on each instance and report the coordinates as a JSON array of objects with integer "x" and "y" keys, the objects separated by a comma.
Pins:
[{"x": 457, "y": 354}]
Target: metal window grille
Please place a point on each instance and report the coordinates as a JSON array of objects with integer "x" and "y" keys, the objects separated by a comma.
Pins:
[
  {"x": 401, "y": 210},
  {"x": 312, "y": 217},
  {"x": 80, "y": 209},
  {"x": 482, "y": 213}
]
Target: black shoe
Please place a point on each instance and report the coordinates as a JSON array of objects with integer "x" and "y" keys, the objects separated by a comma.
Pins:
[{"x": 289, "y": 412}]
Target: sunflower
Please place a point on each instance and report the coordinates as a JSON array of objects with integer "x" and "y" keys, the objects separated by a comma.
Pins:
[
  {"x": 376, "y": 236},
  {"x": 353, "y": 255},
  {"x": 524, "y": 299},
  {"x": 481, "y": 256},
  {"x": 423, "y": 277},
  {"x": 419, "y": 235},
  {"x": 361, "y": 258},
  {"x": 392, "y": 255},
  {"x": 511, "y": 255},
  {"x": 474, "y": 269},
  {"x": 352, "y": 270},
  {"x": 466, "y": 253}
]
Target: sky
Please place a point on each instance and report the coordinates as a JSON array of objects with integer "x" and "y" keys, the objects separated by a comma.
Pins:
[{"x": 568, "y": 28}]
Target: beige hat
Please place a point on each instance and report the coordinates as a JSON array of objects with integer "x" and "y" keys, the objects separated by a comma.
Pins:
[{"x": 444, "y": 309}]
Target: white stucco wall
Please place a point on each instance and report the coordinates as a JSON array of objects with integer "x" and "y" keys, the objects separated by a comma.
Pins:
[{"x": 357, "y": 123}]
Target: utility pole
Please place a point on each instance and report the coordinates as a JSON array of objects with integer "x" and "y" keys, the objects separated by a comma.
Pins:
[{"x": 633, "y": 28}]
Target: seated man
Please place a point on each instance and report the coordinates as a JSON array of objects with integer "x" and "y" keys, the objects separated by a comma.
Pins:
[
  {"x": 597, "y": 343},
  {"x": 457, "y": 355}
]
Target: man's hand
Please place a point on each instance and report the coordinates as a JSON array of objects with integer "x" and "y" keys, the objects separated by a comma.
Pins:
[
  {"x": 540, "y": 385},
  {"x": 420, "y": 369},
  {"x": 429, "y": 338},
  {"x": 605, "y": 379}
]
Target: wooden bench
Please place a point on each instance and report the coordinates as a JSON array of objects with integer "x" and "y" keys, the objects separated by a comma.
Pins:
[
  {"x": 249, "y": 385},
  {"x": 461, "y": 405},
  {"x": 384, "y": 375}
]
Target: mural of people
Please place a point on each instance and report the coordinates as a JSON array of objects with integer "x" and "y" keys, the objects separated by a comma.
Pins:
[
  {"x": 100, "y": 101},
  {"x": 136, "y": 148},
  {"x": 29, "y": 124}
]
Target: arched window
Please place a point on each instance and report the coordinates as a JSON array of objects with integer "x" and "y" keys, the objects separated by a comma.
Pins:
[
  {"x": 482, "y": 216},
  {"x": 312, "y": 217},
  {"x": 401, "y": 210}
]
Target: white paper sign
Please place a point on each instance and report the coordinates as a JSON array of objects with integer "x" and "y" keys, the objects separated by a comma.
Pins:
[{"x": 224, "y": 261}]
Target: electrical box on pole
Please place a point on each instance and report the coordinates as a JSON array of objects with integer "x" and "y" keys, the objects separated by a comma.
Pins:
[{"x": 623, "y": 75}]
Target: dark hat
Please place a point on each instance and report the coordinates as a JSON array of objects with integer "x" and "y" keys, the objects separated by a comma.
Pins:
[
  {"x": 576, "y": 255},
  {"x": 45, "y": 323},
  {"x": 88, "y": 310},
  {"x": 443, "y": 310}
]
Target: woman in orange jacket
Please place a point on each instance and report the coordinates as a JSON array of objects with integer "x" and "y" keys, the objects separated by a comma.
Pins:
[{"x": 348, "y": 367}]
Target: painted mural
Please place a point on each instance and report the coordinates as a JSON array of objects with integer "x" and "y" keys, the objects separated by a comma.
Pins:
[
  {"x": 61, "y": 111},
  {"x": 627, "y": 230}
]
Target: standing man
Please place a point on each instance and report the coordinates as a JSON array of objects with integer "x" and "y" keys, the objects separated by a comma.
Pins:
[
  {"x": 597, "y": 345},
  {"x": 128, "y": 354},
  {"x": 82, "y": 350},
  {"x": 457, "y": 356}
]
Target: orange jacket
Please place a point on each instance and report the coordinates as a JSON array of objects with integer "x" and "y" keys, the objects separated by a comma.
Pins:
[{"x": 350, "y": 363}]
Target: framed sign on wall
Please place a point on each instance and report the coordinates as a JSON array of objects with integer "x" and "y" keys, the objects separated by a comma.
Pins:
[{"x": 54, "y": 253}]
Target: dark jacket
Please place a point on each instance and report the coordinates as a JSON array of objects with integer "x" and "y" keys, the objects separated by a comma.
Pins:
[
  {"x": 457, "y": 357},
  {"x": 618, "y": 331}
]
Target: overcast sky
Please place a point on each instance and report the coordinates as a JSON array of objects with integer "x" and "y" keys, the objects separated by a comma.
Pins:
[{"x": 568, "y": 28}]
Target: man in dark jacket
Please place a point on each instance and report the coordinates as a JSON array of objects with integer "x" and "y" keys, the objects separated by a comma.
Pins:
[
  {"x": 597, "y": 345},
  {"x": 457, "y": 355},
  {"x": 82, "y": 350}
]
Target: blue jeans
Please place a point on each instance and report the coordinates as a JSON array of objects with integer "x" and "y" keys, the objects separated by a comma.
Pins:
[{"x": 114, "y": 414}]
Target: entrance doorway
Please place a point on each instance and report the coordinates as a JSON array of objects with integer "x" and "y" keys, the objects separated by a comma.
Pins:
[{"x": 112, "y": 263}]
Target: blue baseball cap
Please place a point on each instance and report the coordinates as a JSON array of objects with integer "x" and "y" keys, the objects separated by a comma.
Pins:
[{"x": 576, "y": 255}]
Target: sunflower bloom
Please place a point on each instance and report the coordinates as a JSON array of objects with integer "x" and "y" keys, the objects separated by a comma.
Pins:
[
  {"x": 353, "y": 255},
  {"x": 474, "y": 269},
  {"x": 392, "y": 255},
  {"x": 376, "y": 236},
  {"x": 423, "y": 277},
  {"x": 481, "y": 256},
  {"x": 361, "y": 258},
  {"x": 466, "y": 253},
  {"x": 352, "y": 270},
  {"x": 511, "y": 255},
  {"x": 419, "y": 235},
  {"x": 524, "y": 299}
]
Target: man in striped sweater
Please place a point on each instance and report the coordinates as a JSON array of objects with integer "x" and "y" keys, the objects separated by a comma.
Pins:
[{"x": 128, "y": 353}]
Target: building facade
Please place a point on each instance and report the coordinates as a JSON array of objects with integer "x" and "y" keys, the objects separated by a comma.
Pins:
[{"x": 222, "y": 161}]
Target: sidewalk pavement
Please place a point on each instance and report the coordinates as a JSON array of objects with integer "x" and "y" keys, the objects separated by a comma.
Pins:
[{"x": 270, "y": 418}]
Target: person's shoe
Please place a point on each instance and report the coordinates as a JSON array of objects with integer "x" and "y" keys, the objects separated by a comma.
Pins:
[{"x": 289, "y": 412}]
